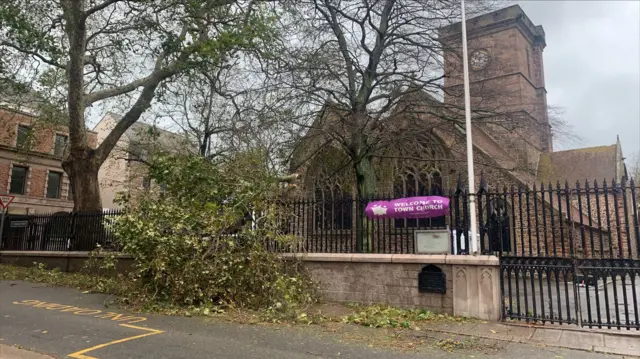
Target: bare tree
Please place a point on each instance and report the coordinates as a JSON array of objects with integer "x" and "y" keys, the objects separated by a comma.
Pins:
[
  {"x": 351, "y": 64},
  {"x": 223, "y": 113},
  {"x": 100, "y": 52},
  {"x": 203, "y": 109},
  {"x": 563, "y": 133}
]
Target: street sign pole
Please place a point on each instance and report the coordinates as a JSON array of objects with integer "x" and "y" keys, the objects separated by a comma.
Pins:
[
  {"x": 4, "y": 204},
  {"x": 2, "y": 228}
]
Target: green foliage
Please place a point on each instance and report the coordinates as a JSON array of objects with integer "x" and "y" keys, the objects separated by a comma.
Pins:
[
  {"x": 388, "y": 317},
  {"x": 39, "y": 273},
  {"x": 101, "y": 263},
  {"x": 21, "y": 21},
  {"x": 451, "y": 345},
  {"x": 192, "y": 245}
]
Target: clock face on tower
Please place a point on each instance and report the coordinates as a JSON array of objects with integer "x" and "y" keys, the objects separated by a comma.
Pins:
[{"x": 479, "y": 59}]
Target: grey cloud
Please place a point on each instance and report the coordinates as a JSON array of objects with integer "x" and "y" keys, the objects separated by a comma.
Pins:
[{"x": 592, "y": 67}]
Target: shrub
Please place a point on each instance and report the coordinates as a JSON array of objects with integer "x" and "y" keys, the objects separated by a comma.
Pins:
[{"x": 194, "y": 245}]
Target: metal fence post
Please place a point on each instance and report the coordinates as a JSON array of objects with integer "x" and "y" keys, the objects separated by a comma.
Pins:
[
  {"x": 71, "y": 236},
  {"x": 4, "y": 212},
  {"x": 359, "y": 226}
]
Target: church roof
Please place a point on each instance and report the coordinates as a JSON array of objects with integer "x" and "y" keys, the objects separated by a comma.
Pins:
[{"x": 591, "y": 163}]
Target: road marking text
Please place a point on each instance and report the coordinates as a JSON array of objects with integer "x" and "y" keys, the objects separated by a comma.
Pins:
[
  {"x": 123, "y": 320},
  {"x": 96, "y": 313}
]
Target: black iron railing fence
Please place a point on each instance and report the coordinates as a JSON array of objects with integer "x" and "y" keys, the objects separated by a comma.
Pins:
[
  {"x": 59, "y": 231},
  {"x": 569, "y": 254},
  {"x": 340, "y": 226},
  {"x": 594, "y": 220},
  {"x": 591, "y": 220}
]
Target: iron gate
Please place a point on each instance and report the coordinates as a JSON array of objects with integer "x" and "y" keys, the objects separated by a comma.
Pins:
[{"x": 568, "y": 255}]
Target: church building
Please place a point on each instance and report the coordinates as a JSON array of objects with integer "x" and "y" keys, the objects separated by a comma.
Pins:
[{"x": 512, "y": 134}]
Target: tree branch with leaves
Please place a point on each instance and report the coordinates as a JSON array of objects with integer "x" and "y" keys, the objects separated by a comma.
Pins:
[{"x": 116, "y": 51}]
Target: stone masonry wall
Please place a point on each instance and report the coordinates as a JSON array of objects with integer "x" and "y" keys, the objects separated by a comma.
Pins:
[
  {"x": 472, "y": 285},
  {"x": 5, "y": 173},
  {"x": 394, "y": 284},
  {"x": 512, "y": 81}
]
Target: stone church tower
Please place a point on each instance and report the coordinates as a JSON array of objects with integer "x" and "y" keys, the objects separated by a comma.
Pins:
[{"x": 507, "y": 80}]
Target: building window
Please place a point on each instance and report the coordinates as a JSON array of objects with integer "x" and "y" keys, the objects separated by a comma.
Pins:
[
  {"x": 23, "y": 137},
  {"x": 53, "y": 184},
  {"x": 60, "y": 144},
  {"x": 18, "y": 180},
  {"x": 146, "y": 183},
  {"x": 436, "y": 190},
  {"x": 410, "y": 185}
]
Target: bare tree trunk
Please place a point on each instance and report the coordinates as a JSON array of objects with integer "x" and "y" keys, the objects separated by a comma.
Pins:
[
  {"x": 366, "y": 184},
  {"x": 83, "y": 174},
  {"x": 81, "y": 163},
  {"x": 365, "y": 177}
]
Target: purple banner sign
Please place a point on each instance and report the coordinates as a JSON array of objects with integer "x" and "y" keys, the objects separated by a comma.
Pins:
[{"x": 412, "y": 207}]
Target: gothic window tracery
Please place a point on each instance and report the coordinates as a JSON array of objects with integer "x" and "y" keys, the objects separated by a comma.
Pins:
[
  {"x": 414, "y": 183},
  {"x": 333, "y": 206}
]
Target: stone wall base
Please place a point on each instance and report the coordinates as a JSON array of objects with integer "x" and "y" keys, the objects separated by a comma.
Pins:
[{"x": 472, "y": 282}]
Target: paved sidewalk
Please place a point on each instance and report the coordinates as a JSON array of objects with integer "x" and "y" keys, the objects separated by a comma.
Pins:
[
  {"x": 8, "y": 352},
  {"x": 609, "y": 341}
]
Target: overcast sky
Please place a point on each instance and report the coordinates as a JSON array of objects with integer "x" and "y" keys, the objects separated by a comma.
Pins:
[{"x": 592, "y": 67}]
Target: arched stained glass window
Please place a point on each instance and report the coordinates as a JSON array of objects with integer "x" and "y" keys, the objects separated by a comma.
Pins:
[
  {"x": 409, "y": 185},
  {"x": 436, "y": 190}
]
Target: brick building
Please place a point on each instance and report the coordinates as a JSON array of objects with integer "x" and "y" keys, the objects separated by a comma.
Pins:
[
  {"x": 31, "y": 153},
  {"x": 512, "y": 139}
]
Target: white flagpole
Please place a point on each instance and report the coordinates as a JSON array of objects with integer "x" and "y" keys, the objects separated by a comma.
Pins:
[{"x": 467, "y": 113}]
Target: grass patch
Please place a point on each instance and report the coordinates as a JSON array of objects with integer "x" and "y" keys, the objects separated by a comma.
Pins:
[
  {"x": 38, "y": 273},
  {"x": 387, "y": 317},
  {"x": 451, "y": 345}
]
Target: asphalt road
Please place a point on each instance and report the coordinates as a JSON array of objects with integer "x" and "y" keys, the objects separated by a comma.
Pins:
[{"x": 64, "y": 322}]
